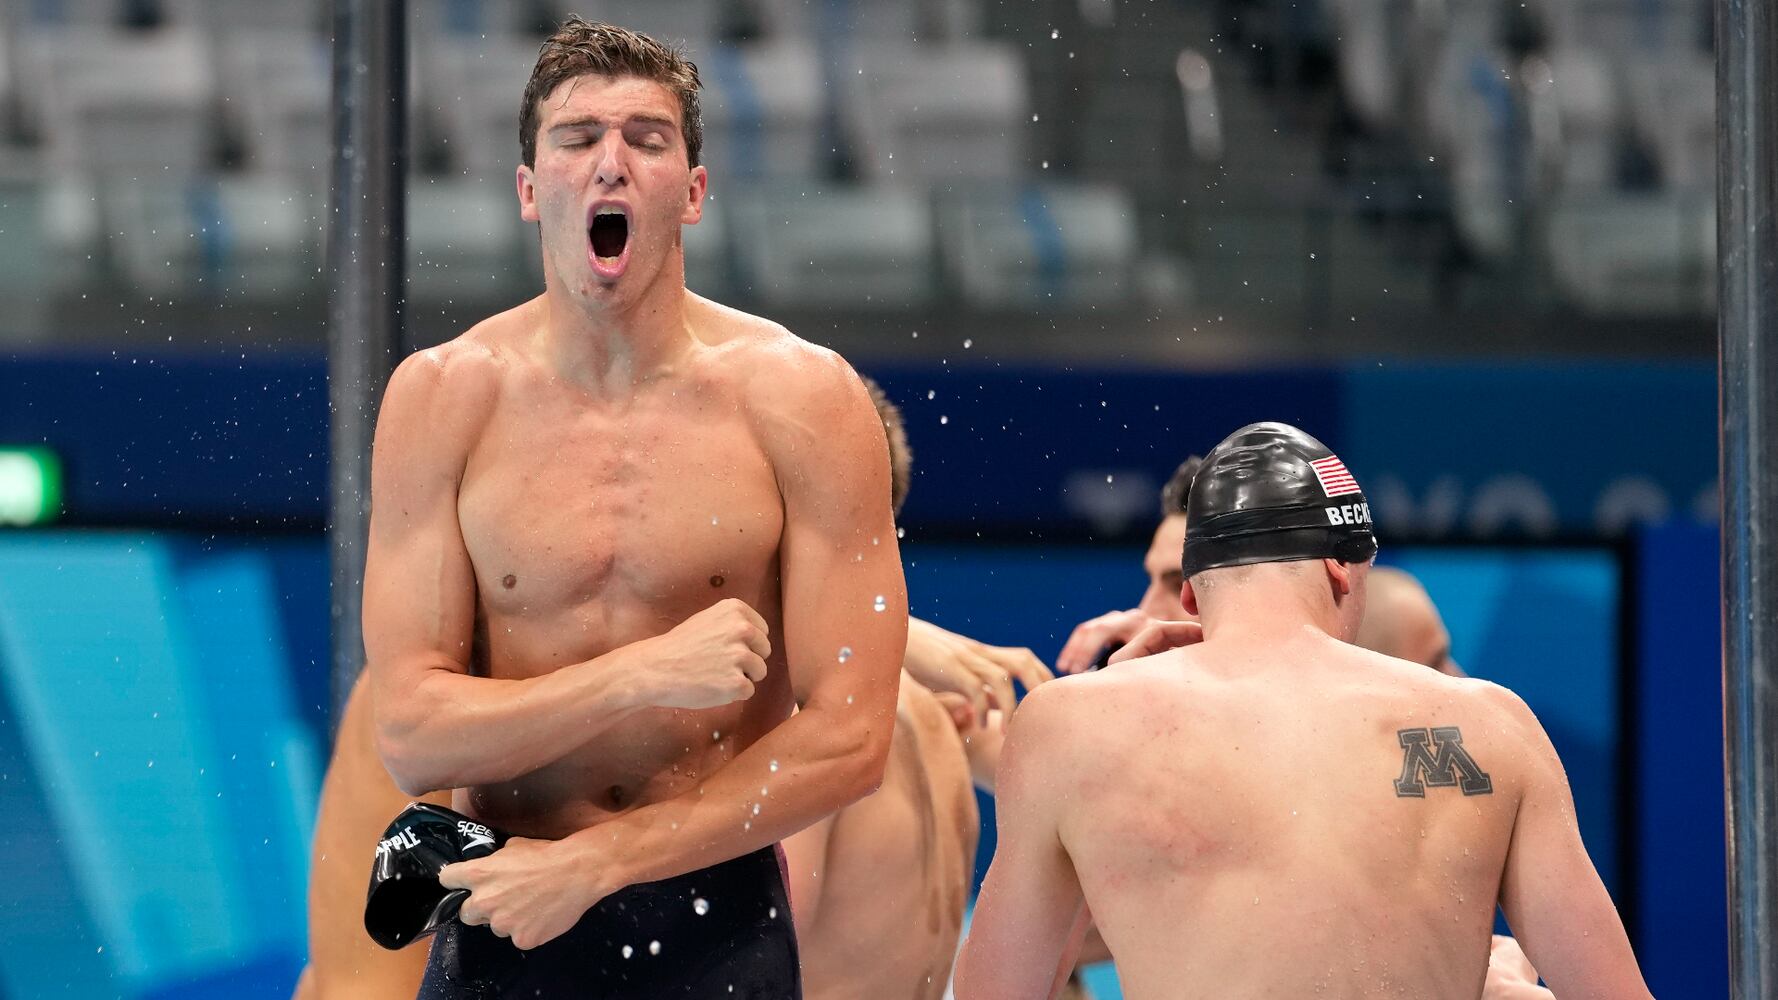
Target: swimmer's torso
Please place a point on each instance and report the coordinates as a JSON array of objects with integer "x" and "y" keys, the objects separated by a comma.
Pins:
[
  {"x": 1249, "y": 811},
  {"x": 898, "y": 868},
  {"x": 593, "y": 523}
]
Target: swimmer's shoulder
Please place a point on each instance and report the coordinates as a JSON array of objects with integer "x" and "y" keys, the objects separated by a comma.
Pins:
[
  {"x": 769, "y": 359},
  {"x": 789, "y": 383},
  {"x": 460, "y": 379}
]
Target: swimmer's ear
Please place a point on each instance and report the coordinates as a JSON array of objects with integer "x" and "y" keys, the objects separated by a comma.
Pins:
[
  {"x": 1189, "y": 598},
  {"x": 1340, "y": 575},
  {"x": 694, "y": 205},
  {"x": 527, "y": 195}
]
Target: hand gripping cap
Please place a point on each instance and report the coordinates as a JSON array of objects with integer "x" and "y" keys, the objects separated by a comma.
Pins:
[{"x": 406, "y": 902}]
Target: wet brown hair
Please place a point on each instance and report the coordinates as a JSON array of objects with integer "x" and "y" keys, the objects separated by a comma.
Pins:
[
  {"x": 901, "y": 455},
  {"x": 1179, "y": 486},
  {"x": 581, "y": 47}
]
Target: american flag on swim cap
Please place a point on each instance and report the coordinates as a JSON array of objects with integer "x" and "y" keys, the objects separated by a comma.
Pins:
[{"x": 1335, "y": 480}]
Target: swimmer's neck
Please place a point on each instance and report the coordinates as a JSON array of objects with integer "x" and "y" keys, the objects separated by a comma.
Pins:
[
  {"x": 614, "y": 349},
  {"x": 1243, "y": 613}
]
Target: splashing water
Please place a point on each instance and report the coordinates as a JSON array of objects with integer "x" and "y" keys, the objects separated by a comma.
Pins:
[
  {"x": 846, "y": 651},
  {"x": 880, "y": 603},
  {"x": 654, "y": 947},
  {"x": 700, "y": 906},
  {"x": 774, "y": 767},
  {"x": 628, "y": 951}
]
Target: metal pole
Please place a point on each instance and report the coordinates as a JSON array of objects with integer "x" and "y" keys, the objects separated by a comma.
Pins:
[
  {"x": 366, "y": 227},
  {"x": 1747, "y": 328}
]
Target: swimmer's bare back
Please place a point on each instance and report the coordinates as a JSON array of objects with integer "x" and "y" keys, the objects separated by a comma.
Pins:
[
  {"x": 879, "y": 888},
  {"x": 585, "y": 602},
  {"x": 1289, "y": 819}
]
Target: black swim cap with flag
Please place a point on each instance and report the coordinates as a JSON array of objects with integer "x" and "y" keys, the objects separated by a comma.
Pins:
[
  {"x": 1271, "y": 493},
  {"x": 406, "y": 902}
]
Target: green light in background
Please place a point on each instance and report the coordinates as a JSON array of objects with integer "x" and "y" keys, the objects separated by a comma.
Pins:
[{"x": 30, "y": 486}]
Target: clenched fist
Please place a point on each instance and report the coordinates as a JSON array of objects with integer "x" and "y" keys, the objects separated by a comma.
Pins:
[{"x": 713, "y": 658}]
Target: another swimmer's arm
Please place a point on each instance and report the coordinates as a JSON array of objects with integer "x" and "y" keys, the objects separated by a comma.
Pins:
[
  {"x": 438, "y": 727},
  {"x": 844, "y": 633},
  {"x": 1558, "y": 909},
  {"x": 1031, "y": 914}
]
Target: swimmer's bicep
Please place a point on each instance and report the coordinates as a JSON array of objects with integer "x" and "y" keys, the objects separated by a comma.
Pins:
[
  {"x": 1029, "y": 914},
  {"x": 844, "y": 597},
  {"x": 1551, "y": 893},
  {"x": 419, "y": 584}
]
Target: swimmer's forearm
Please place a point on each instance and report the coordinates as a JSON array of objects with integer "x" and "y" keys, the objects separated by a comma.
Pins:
[
  {"x": 451, "y": 730},
  {"x": 808, "y": 767}
]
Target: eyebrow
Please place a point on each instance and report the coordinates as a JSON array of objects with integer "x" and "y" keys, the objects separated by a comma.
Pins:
[{"x": 585, "y": 121}]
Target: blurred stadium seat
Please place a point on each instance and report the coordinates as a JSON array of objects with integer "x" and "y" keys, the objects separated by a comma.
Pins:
[
  {"x": 937, "y": 113},
  {"x": 129, "y": 103},
  {"x": 1039, "y": 245},
  {"x": 869, "y": 247}
]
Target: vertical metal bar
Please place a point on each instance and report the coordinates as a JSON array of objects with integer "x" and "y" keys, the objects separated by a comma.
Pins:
[
  {"x": 366, "y": 282},
  {"x": 1747, "y": 328}
]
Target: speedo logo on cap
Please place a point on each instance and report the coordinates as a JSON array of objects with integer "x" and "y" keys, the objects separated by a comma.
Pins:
[
  {"x": 477, "y": 834},
  {"x": 1350, "y": 513},
  {"x": 1335, "y": 480}
]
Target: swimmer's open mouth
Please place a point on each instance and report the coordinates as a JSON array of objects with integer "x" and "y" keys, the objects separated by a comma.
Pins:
[
  {"x": 608, "y": 239},
  {"x": 610, "y": 233}
]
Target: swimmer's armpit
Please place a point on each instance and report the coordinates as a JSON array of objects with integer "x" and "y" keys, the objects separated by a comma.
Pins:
[{"x": 1447, "y": 764}]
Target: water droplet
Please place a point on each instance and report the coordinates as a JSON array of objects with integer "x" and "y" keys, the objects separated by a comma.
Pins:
[
  {"x": 1033, "y": 117},
  {"x": 846, "y": 651},
  {"x": 1045, "y": 165},
  {"x": 715, "y": 735},
  {"x": 654, "y": 947},
  {"x": 713, "y": 519},
  {"x": 930, "y": 393},
  {"x": 700, "y": 906},
  {"x": 771, "y": 913},
  {"x": 881, "y": 604},
  {"x": 848, "y": 699},
  {"x": 756, "y": 809},
  {"x": 967, "y": 343},
  {"x": 628, "y": 951},
  {"x": 1108, "y": 479},
  {"x": 774, "y": 767},
  {"x": 944, "y": 419},
  {"x": 1054, "y": 34}
]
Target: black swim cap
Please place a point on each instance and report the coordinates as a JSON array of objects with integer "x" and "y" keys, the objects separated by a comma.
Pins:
[
  {"x": 406, "y": 902},
  {"x": 1270, "y": 493}
]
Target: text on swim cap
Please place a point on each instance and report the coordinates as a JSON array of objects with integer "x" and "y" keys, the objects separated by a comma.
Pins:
[
  {"x": 1349, "y": 513},
  {"x": 403, "y": 839},
  {"x": 476, "y": 834}
]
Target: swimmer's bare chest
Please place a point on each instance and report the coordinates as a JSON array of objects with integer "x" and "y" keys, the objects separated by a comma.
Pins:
[{"x": 592, "y": 526}]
